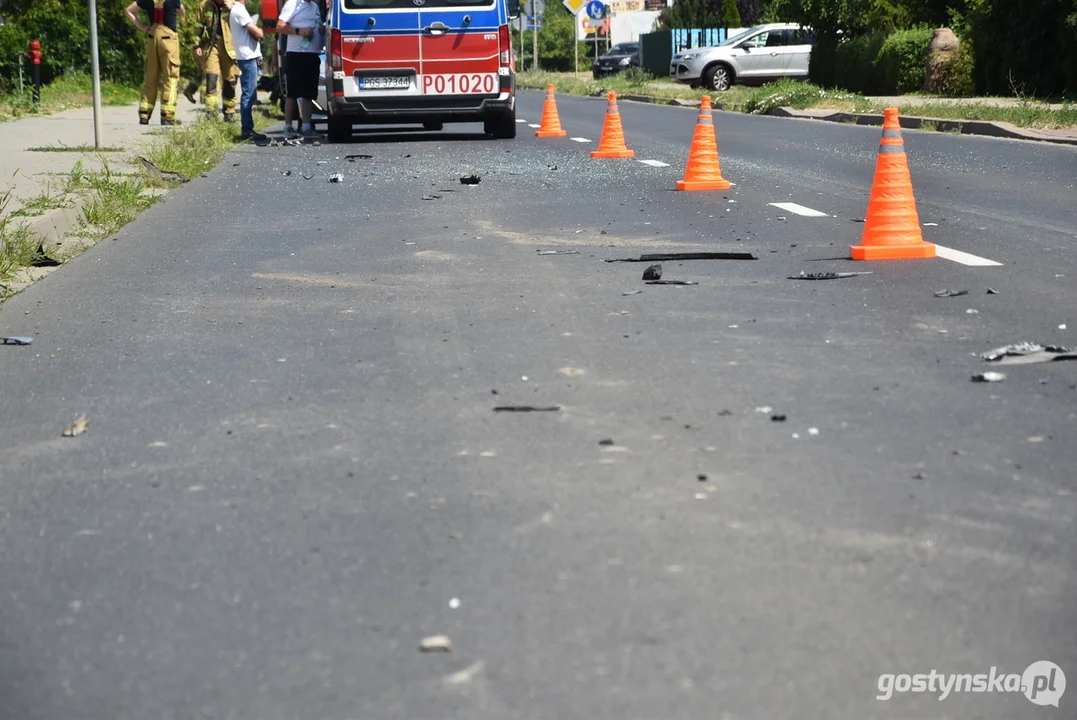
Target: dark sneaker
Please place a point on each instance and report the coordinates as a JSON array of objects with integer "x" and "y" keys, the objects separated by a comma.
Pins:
[
  {"x": 254, "y": 135},
  {"x": 143, "y": 121}
]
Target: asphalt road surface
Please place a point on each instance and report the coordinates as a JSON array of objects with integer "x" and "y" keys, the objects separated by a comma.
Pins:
[{"x": 294, "y": 472}]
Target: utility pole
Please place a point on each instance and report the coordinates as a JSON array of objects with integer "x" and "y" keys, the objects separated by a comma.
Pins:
[
  {"x": 96, "y": 72},
  {"x": 534, "y": 44}
]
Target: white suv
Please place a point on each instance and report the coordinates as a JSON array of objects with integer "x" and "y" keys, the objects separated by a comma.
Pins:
[{"x": 757, "y": 55}]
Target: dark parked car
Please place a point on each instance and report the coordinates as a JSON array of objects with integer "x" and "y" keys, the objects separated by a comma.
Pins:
[{"x": 617, "y": 58}]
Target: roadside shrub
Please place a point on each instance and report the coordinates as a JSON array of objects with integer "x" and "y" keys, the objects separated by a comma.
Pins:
[
  {"x": 956, "y": 73},
  {"x": 13, "y": 46},
  {"x": 901, "y": 60},
  {"x": 855, "y": 68}
]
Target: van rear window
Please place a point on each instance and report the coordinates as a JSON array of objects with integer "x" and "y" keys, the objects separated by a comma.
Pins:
[{"x": 413, "y": 4}]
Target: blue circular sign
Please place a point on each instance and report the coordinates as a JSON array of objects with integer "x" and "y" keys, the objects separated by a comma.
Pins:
[{"x": 596, "y": 9}]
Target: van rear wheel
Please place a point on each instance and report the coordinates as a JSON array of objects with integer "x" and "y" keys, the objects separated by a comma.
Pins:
[
  {"x": 340, "y": 130},
  {"x": 502, "y": 127}
]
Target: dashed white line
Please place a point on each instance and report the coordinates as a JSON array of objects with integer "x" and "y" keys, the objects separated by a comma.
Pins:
[
  {"x": 581, "y": 140},
  {"x": 963, "y": 257},
  {"x": 532, "y": 125},
  {"x": 654, "y": 163},
  {"x": 520, "y": 121},
  {"x": 798, "y": 209}
]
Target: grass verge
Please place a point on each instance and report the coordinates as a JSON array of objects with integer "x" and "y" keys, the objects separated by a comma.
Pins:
[
  {"x": 1022, "y": 112},
  {"x": 64, "y": 93}
]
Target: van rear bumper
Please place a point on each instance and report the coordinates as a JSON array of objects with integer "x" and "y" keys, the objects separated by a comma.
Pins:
[{"x": 421, "y": 109}]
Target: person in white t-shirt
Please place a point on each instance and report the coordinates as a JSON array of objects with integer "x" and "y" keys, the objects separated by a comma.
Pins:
[
  {"x": 245, "y": 39},
  {"x": 301, "y": 21}
]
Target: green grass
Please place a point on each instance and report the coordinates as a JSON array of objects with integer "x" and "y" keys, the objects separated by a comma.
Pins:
[
  {"x": 64, "y": 93},
  {"x": 74, "y": 148},
  {"x": 39, "y": 205},
  {"x": 112, "y": 199},
  {"x": 801, "y": 95},
  {"x": 17, "y": 242}
]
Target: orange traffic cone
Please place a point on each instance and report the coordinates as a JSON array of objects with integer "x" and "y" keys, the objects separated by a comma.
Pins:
[
  {"x": 551, "y": 121},
  {"x": 892, "y": 225},
  {"x": 612, "y": 142},
  {"x": 704, "y": 171}
]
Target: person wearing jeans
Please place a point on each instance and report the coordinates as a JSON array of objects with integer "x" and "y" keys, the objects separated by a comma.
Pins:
[{"x": 245, "y": 38}]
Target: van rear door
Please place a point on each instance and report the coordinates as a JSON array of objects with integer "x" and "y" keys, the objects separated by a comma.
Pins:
[
  {"x": 379, "y": 46},
  {"x": 459, "y": 47}
]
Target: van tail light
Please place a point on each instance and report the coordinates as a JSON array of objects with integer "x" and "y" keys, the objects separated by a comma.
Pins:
[
  {"x": 505, "y": 41},
  {"x": 335, "y": 50}
]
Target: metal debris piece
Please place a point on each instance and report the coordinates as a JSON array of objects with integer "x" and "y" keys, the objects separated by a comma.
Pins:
[
  {"x": 827, "y": 275},
  {"x": 470, "y": 180},
  {"x": 672, "y": 282},
  {"x": 308, "y": 177},
  {"x": 164, "y": 174},
  {"x": 654, "y": 272},
  {"x": 353, "y": 158},
  {"x": 992, "y": 291},
  {"x": 950, "y": 293},
  {"x": 431, "y": 197},
  {"x": 336, "y": 178},
  {"x": 777, "y": 418},
  {"x": 77, "y": 428},
  {"x": 16, "y": 340},
  {"x": 526, "y": 408},
  {"x": 674, "y": 257},
  {"x": 632, "y": 292},
  {"x": 606, "y": 442},
  {"x": 558, "y": 252},
  {"x": 436, "y": 643},
  {"x": 286, "y": 173},
  {"x": 988, "y": 377},
  {"x": 1028, "y": 353}
]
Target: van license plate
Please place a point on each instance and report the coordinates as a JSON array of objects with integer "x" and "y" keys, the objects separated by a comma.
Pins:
[{"x": 384, "y": 83}]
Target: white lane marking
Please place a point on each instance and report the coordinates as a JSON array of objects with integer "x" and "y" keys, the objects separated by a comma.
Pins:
[
  {"x": 520, "y": 121},
  {"x": 532, "y": 125},
  {"x": 654, "y": 163},
  {"x": 799, "y": 209},
  {"x": 963, "y": 257},
  {"x": 581, "y": 140}
]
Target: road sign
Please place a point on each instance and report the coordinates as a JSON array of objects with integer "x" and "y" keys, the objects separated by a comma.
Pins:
[
  {"x": 596, "y": 10},
  {"x": 574, "y": 6},
  {"x": 535, "y": 7}
]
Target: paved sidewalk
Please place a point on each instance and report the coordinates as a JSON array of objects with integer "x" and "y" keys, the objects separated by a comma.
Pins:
[{"x": 28, "y": 174}]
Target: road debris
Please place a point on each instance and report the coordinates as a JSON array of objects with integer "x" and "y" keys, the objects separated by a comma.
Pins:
[
  {"x": 336, "y": 178},
  {"x": 725, "y": 413},
  {"x": 672, "y": 282},
  {"x": 950, "y": 293},
  {"x": 988, "y": 377},
  {"x": 558, "y": 252},
  {"x": 431, "y": 197},
  {"x": 41, "y": 258},
  {"x": 164, "y": 174},
  {"x": 1028, "y": 353},
  {"x": 454, "y": 603},
  {"x": 353, "y": 158},
  {"x": 972, "y": 311},
  {"x": 77, "y": 428},
  {"x": 606, "y": 442},
  {"x": 308, "y": 177},
  {"x": 470, "y": 180},
  {"x": 526, "y": 408},
  {"x": 827, "y": 275},
  {"x": 992, "y": 291},
  {"x": 632, "y": 292},
  {"x": 16, "y": 340},
  {"x": 286, "y": 173},
  {"x": 436, "y": 643},
  {"x": 674, "y": 257},
  {"x": 654, "y": 272},
  {"x": 701, "y": 477},
  {"x": 777, "y": 418},
  {"x": 764, "y": 409}
]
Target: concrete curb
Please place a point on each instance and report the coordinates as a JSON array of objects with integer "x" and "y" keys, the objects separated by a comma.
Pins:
[
  {"x": 912, "y": 122},
  {"x": 53, "y": 226}
]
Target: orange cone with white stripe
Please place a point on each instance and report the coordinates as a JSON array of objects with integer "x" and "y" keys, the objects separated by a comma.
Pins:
[
  {"x": 704, "y": 172},
  {"x": 551, "y": 121},
  {"x": 612, "y": 142},
  {"x": 892, "y": 225}
]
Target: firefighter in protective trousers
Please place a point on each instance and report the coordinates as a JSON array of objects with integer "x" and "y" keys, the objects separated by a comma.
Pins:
[
  {"x": 218, "y": 56},
  {"x": 162, "y": 56}
]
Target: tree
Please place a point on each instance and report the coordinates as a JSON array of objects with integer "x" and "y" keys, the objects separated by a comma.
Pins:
[
  {"x": 692, "y": 14},
  {"x": 730, "y": 15}
]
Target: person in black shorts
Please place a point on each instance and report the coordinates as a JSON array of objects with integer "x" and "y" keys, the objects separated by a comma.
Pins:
[{"x": 301, "y": 22}]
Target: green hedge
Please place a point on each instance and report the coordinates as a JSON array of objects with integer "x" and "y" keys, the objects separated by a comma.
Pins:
[
  {"x": 855, "y": 67},
  {"x": 902, "y": 59}
]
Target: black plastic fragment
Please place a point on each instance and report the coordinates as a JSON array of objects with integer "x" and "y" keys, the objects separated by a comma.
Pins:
[
  {"x": 672, "y": 282},
  {"x": 470, "y": 180},
  {"x": 673, "y": 257},
  {"x": 526, "y": 408},
  {"x": 654, "y": 272}
]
